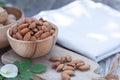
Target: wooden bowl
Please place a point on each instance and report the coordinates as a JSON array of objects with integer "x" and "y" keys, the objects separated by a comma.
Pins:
[
  {"x": 33, "y": 49},
  {"x": 3, "y": 30}
]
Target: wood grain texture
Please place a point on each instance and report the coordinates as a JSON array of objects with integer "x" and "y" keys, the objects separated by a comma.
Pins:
[{"x": 51, "y": 74}]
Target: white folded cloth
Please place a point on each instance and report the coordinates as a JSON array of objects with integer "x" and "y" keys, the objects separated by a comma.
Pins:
[{"x": 89, "y": 28}]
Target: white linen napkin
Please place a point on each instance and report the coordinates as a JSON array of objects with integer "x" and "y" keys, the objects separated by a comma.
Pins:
[{"x": 89, "y": 28}]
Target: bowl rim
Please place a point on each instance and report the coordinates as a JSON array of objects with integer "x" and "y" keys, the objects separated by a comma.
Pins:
[
  {"x": 22, "y": 16},
  {"x": 56, "y": 33}
]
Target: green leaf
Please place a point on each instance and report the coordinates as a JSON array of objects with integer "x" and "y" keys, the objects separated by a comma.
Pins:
[
  {"x": 38, "y": 68},
  {"x": 17, "y": 63},
  {"x": 26, "y": 75},
  {"x": 13, "y": 79},
  {"x": 1, "y": 77},
  {"x": 25, "y": 65}
]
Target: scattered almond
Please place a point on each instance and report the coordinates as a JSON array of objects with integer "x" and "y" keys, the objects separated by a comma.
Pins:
[
  {"x": 68, "y": 58},
  {"x": 55, "y": 65},
  {"x": 60, "y": 67},
  {"x": 68, "y": 68},
  {"x": 84, "y": 67},
  {"x": 62, "y": 60},
  {"x": 79, "y": 64},
  {"x": 69, "y": 72},
  {"x": 71, "y": 64},
  {"x": 65, "y": 76},
  {"x": 53, "y": 59}
]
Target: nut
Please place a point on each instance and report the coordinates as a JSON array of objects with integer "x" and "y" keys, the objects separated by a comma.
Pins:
[
  {"x": 65, "y": 76},
  {"x": 27, "y": 36},
  {"x": 44, "y": 28},
  {"x": 60, "y": 67},
  {"x": 32, "y": 25},
  {"x": 55, "y": 65},
  {"x": 28, "y": 20},
  {"x": 24, "y": 31},
  {"x": 68, "y": 58},
  {"x": 77, "y": 61},
  {"x": 22, "y": 26},
  {"x": 38, "y": 34},
  {"x": 45, "y": 35},
  {"x": 35, "y": 27},
  {"x": 69, "y": 72},
  {"x": 33, "y": 38},
  {"x": 19, "y": 36},
  {"x": 71, "y": 64},
  {"x": 79, "y": 64},
  {"x": 62, "y": 60},
  {"x": 84, "y": 67},
  {"x": 53, "y": 59},
  {"x": 68, "y": 68}
]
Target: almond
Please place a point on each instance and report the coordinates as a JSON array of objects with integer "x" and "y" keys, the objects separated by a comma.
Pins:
[
  {"x": 45, "y": 35},
  {"x": 68, "y": 58},
  {"x": 60, "y": 67},
  {"x": 68, "y": 68},
  {"x": 38, "y": 34},
  {"x": 71, "y": 64},
  {"x": 33, "y": 38},
  {"x": 39, "y": 23},
  {"x": 39, "y": 27},
  {"x": 22, "y": 26},
  {"x": 27, "y": 36},
  {"x": 24, "y": 31},
  {"x": 14, "y": 30},
  {"x": 14, "y": 36},
  {"x": 77, "y": 61},
  {"x": 79, "y": 64},
  {"x": 55, "y": 65},
  {"x": 28, "y": 20},
  {"x": 44, "y": 28},
  {"x": 65, "y": 76},
  {"x": 31, "y": 32},
  {"x": 53, "y": 59},
  {"x": 69, "y": 72},
  {"x": 62, "y": 60},
  {"x": 46, "y": 24},
  {"x": 52, "y": 31},
  {"x": 32, "y": 25},
  {"x": 35, "y": 30},
  {"x": 84, "y": 67},
  {"x": 19, "y": 36}
]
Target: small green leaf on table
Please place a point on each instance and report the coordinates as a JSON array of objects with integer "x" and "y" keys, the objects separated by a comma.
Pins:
[
  {"x": 26, "y": 75},
  {"x": 38, "y": 68},
  {"x": 17, "y": 63},
  {"x": 25, "y": 65}
]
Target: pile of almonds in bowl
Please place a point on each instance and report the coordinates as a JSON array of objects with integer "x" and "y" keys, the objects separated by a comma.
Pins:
[
  {"x": 32, "y": 29},
  {"x": 32, "y": 38},
  {"x": 68, "y": 66}
]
